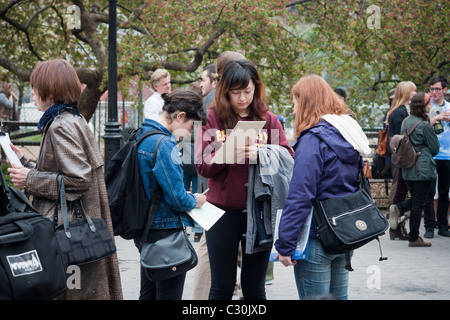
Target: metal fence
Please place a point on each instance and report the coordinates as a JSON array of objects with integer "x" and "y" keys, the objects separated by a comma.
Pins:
[
  {"x": 24, "y": 132},
  {"x": 27, "y": 136},
  {"x": 128, "y": 116}
]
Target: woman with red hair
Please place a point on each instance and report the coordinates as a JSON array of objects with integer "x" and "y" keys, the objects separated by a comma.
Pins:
[{"x": 328, "y": 154}]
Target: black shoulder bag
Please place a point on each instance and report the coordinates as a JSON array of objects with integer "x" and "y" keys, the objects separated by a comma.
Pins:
[
  {"x": 83, "y": 240},
  {"x": 343, "y": 224},
  {"x": 167, "y": 257}
]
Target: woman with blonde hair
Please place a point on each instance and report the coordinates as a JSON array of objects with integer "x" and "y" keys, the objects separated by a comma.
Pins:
[
  {"x": 327, "y": 159},
  {"x": 160, "y": 82},
  {"x": 403, "y": 94}
]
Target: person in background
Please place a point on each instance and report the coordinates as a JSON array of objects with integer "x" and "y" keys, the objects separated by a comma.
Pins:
[
  {"x": 420, "y": 177},
  {"x": 240, "y": 96},
  {"x": 404, "y": 91},
  {"x": 208, "y": 83},
  {"x": 181, "y": 108},
  {"x": 438, "y": 87},
  {"x": 160, "y": 83},
  {"x": 68, "y": 147},
  {"x": 341, "y": 93},
  {"x": 7, "y": 98},
  {"x": 382, "y": 165},
  {"x": 326, "y": 165}
]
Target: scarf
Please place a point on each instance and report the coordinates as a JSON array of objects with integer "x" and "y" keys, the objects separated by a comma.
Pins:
[
  {"x": 351, "y": 131},
  {"x": 55, "y": 110}
]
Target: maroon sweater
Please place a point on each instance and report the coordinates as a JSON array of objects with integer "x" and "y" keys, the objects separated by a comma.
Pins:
[{"x": 228, "y": 182}]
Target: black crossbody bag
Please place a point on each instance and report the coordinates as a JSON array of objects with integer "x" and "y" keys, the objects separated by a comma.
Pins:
[
  {"x": 170, "y": 256},
  {"x": 343, "y": 224}
]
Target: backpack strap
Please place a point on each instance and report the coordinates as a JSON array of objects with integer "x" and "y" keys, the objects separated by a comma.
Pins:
[
  {"x": 405, "y": 130},
  {"x": 155, "y": 187}
]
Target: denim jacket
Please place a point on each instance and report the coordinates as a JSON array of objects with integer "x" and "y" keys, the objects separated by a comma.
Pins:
[{"x": 169, "y": 175}]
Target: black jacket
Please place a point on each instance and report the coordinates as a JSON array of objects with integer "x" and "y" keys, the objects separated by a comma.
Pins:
[{"x": 395, "y": 123}]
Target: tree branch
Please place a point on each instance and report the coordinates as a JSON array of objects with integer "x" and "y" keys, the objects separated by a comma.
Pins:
[
  {"x": 294, "y": 3},
  {"x": 22, "y": 73}
]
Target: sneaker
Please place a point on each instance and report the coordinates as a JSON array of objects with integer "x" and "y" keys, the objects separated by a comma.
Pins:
[
  {"x": 444, "y": 232},
  {"x": 394, "y": 214},
  {"x": 419, "y": 243},
  {"x": 429, "y": 233}
]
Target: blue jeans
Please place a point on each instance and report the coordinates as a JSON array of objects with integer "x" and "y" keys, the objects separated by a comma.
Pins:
[{"x": 322, "y": 275}]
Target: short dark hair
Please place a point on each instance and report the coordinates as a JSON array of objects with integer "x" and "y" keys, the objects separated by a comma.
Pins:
[
  {"x": 211, "y": 70},
  {"x": 418, "y": 106},
  {"x": 440, "y": 79},
  {"x": 185, "y": 100},
  {"x": 341, "y": 92},
  {"x": 57, "y": 80}
]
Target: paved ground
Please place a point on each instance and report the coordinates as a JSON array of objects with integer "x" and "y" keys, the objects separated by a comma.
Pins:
[{"x": 408, "y": 274}]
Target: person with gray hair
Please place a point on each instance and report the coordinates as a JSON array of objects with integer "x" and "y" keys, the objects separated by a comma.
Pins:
[{"x": 160, "y": 83}]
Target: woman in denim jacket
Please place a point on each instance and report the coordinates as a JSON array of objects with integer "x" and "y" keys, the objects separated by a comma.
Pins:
[{"x": 181, "y": 108}]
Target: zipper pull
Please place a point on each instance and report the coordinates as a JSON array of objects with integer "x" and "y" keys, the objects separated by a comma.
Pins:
[{"x": 333, "y": 221}]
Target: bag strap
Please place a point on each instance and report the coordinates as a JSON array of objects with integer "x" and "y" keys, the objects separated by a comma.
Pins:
[
  {"x": 78, "y": 206},
  {"x": 405, "y": 129},
  {"x": 155, "y": 197},
  {"x": 363, "y": 181},
  {"x": 61, "y": 199}
]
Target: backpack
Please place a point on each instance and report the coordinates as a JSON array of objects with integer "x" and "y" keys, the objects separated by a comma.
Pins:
[
  {"x": 127, "y": 198},
  {"x": 403, "y": 154}
]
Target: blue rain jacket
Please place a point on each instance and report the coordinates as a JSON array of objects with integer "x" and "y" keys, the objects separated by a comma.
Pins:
[{"x": 325, "y": 166}]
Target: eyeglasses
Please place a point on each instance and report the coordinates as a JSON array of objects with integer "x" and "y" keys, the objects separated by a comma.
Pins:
[{"x": 435, "y": 89}]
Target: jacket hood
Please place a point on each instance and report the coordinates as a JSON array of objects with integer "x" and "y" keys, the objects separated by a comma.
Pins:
[
  {"x": 333, "y": 138},
  {"x": 351, "y": 131}
]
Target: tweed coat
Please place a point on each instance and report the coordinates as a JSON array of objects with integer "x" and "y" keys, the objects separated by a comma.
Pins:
[{"x": 68, "y": 147}]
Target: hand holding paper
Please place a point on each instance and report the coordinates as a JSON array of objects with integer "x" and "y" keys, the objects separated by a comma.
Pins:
[
  {"x": 10, "y": 153},
  {"x": 207, "y": 215}
]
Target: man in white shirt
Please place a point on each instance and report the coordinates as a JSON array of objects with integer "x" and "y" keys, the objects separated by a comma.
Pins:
[{"x": 160, "y": 82}]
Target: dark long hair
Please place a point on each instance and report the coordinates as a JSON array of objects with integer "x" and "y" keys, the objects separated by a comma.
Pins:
[
  {"x": 237, "y": 76},
  {"x": 418, "y": 105}
]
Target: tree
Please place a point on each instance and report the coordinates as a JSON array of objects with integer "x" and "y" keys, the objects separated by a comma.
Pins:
[
  {"x": 370, "y": 46},
  {"x": 180, "y": 36}
]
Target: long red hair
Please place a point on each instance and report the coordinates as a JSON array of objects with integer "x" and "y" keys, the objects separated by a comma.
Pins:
[{"x": 315, "y": 98}]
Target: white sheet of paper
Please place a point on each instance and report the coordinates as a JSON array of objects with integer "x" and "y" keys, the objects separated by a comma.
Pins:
[
  {"x": 12, "y": 157},
  {"x": 237, "y": 138},
  {"x": 207, "y": 215}
]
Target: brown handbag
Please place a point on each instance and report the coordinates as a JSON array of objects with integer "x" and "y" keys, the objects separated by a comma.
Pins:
[{"x": 383, "y": 142}]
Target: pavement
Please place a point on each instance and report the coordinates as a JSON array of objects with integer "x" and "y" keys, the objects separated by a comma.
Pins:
[{"x": 408, "y": 274}]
